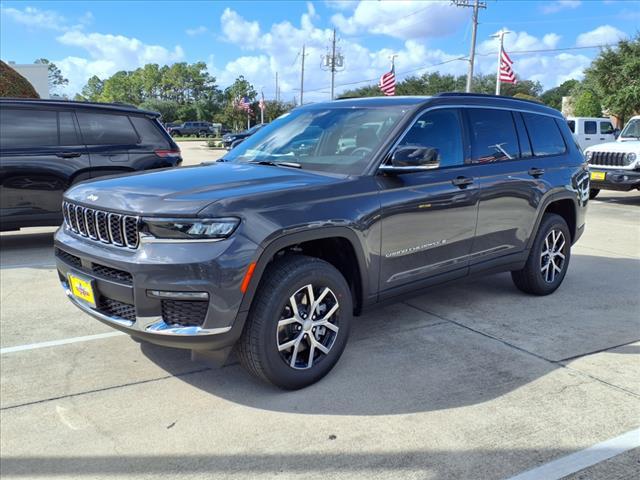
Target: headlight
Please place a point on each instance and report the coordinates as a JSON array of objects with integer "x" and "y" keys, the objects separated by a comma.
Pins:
[
  {"x": 631, "y": 157},
  {"x": 190, "y": 228},
  {"x": 588, "y": 156}
]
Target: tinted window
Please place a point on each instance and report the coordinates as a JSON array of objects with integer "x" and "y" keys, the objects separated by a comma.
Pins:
[
  {"x": 545, "y": 135},
  {"x": 493, "y": 135},
  {"x": 439, "y": 129},
  {"x": 106, "y": 129},
  {"x": 525, "y": 145},
  {"x": 590, "y": 128},
  {"x": 28, "y": 128},
  {"x": 68, "y": 134},
  {"x": 606, "y": 128},
  {"x": 149, "y": 131},
  {"x": 572, "y": 126}
]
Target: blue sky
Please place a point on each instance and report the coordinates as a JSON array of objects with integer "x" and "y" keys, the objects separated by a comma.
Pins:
[{"x": 256, "y": 39}]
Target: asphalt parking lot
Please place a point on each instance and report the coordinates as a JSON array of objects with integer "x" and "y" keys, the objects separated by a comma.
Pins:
[{"x": 472, "y": 380}]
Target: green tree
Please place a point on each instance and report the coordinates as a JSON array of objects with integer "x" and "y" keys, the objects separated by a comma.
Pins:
[
  {"x": 121, "y": 87},
  {"x": 553, "y": 96},
  {"x": 92, "y": 90},
  {"x": 614, "y": 76},
  {"x": 587, "y": 104},
  {"x": 231, "y": 114},
  {"x": 56, "y": 79},
  {"x": 274, "y": 108},
  {"x": 168, "y": 109}
]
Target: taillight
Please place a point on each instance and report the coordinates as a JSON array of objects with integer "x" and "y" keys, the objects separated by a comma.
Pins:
[{"x": 167, "y": 153}]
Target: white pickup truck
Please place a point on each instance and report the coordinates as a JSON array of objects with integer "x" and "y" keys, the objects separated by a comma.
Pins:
[
  {"x": 616, "y": 165},
  {"x": 589, "y": 131}
]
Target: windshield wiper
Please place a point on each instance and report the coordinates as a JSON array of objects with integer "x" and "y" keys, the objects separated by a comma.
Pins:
[{"x": 276, "y": 164}]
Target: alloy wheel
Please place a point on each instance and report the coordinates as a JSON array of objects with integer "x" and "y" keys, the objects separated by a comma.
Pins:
[
  {"x": 553, "y": 255},
  {"x": 308, "y": 326}
]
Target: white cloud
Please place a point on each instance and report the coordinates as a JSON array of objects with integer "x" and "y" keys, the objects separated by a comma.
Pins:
[
  {"x": 239, "y": 31},
  {"x": 559, "y": 5},
  {"x": 342, "y": 5},
  {"x": 402, "y": 19},
  {"x": 35, "y": 18},
  {"x": 603, "y": 35},
  {"x": 192, "y": 32},
  {"x": 109, "y": 54}
]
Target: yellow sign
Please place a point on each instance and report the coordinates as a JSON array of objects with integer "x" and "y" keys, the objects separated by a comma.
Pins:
[
  {"x": 598, "y": 175},
  {"x": 82, "y": 289}
]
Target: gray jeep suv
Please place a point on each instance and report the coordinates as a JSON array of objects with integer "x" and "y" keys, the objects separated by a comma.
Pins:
[{"x": 274, "y": 249}]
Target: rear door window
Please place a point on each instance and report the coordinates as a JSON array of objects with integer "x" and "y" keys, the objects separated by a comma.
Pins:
[
  {"x": 68, "y": 132},
  {"x": 606, "y": 128},
  {"x": 106, "y": 129},
  {"x": 590, "y": 127},
  {"x": 545, "y": 135},
  {"x": 441, "y": 130},
  {"x": 22, "y": 128},
  {"x": 493, "y": 135}
]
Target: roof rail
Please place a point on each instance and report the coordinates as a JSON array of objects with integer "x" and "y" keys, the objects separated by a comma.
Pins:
[
  {"x": 66, "y": 101},
  {"x": 471, "y": 94}
]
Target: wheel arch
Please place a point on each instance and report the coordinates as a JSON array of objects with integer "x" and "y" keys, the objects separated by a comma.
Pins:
[
  {"x": 563, "y": 204},
  {"x": 332, "y": 244}
]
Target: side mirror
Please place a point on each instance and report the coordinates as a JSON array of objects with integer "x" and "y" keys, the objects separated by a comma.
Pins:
[{"x": 412, "y": 159}]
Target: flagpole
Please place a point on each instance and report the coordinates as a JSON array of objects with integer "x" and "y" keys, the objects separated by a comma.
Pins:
[{"x": 500, "y": 35}]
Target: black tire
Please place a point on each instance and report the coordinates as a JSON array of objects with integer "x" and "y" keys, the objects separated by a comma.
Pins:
[
  {"x": 533, "y": 278},
  {"x": 175, "y": 134},
  {"x": 593, "y": 193},
  {"x": 258, "y": 347},
  {"x": 202, "y": 133}
]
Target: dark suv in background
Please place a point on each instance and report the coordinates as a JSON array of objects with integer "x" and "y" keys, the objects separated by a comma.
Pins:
[
  {"x": 48, "y": 145},
  {"x": 276, "y": 247},
  {"x": 201, "y": 129}
]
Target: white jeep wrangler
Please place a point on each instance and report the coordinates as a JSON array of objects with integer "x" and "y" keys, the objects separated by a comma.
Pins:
[{"x": 616, "y": 165}]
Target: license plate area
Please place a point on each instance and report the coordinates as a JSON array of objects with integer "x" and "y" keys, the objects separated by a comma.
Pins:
[
  {"x": 82, "y": 288},
  {"x": 598, "y": 175}
]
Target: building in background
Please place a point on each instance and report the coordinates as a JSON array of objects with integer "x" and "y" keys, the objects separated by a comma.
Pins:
[{"x": 37, "y": 74}]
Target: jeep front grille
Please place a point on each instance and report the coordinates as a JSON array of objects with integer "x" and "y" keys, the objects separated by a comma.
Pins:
[
  {"x": 609, "y": 159},
  {"x": 106, "y": 227}
]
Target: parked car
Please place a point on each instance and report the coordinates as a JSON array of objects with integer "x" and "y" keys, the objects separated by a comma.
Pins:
[
  {"x": 200, "y": 129},
  {"x": 616, "y": 165},
  {"x": 231, "y": 140},
  {"x": 274, "y": 253},
  {"x": 589, "y": 131},
  {"x": 48, "y": 145}
]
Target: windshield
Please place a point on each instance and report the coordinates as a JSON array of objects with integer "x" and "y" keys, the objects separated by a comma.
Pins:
[
  {"x": 632, "y": 129},
  {"x": 337, "y": 140}
]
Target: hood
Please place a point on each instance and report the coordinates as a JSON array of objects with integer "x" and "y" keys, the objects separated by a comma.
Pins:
[
  {"x": 184, "y": 191},
  {"x": 617, "y": 146}
]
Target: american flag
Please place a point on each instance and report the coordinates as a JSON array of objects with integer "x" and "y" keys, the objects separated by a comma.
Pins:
[
  {"x": 261, "y": 103},
  {"x": 243, "y": 103},
  {"x": 388, "y": 81},
  {"x": 506, "y": 72}
]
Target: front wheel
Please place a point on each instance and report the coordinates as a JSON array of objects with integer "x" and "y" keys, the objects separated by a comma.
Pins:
[
  {"x": 298, "y": 324},
  {"x": 593, "y": 193},
  {"x": 548, "y": 259}
]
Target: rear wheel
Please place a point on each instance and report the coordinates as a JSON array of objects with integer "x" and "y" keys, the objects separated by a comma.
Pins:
[
  {"x": 299, "y": 323},
  {"x": 548, "y": 259},
  {"x": 593, "y": 193}
]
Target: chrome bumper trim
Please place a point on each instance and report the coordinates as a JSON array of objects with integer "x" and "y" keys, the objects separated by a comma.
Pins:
[{"x": 157, "y": 327}]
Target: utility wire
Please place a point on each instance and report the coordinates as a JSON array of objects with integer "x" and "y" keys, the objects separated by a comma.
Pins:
[{"x": 423, "y": 67}]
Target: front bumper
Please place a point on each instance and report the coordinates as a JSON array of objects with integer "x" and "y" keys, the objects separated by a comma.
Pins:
[
  {"x": 123, "y": 280},
  {"x": 615, "y": 179}
]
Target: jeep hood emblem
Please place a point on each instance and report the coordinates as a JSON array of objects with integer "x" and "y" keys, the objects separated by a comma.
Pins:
[{"x": 92, "y": 197}]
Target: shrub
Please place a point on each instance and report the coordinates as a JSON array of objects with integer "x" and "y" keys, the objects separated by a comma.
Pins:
[{"x": 12, "y": 84}]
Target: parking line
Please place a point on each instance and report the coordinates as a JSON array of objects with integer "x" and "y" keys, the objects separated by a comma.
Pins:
[
  {"x": 55, "y": 343},
  {"x": 585, "y": 458}
]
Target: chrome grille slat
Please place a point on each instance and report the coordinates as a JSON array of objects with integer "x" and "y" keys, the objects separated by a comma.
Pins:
[{"x": 99, "y": 225}]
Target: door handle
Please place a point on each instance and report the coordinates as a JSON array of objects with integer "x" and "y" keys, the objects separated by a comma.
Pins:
[
  {"x": 68, "y": 154},
  {"x": 587, "y": 138},
  {"x": 462, "y": 182},
  {"x": 536, "y": 172},
  {"x": 601, "y": 138}
]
